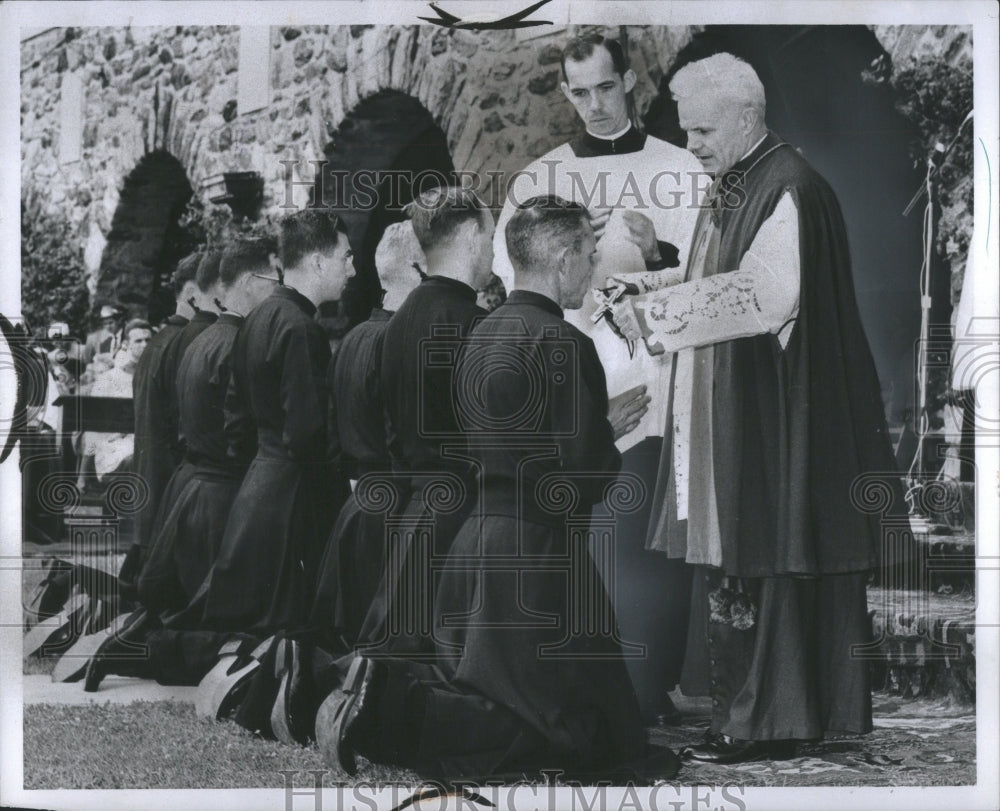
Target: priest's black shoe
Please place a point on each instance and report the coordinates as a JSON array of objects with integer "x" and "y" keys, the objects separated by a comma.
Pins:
[
  {"x": 722, "y": 749},
  {"x": 121, "y": 652},
  {"x": 346, "y": 717}
]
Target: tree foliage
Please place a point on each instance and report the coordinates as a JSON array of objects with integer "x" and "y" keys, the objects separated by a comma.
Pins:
[{"x": 53, "y": 274}]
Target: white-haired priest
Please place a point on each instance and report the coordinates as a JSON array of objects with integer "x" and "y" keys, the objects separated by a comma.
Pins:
[{"x": 775, "y": 411}]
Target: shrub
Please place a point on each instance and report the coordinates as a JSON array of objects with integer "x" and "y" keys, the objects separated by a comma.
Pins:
[{"x": 53, "y": 275}]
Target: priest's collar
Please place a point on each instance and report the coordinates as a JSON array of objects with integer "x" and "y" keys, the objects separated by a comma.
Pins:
[
  {"x": 591, "y": 146},
  {"x": 205, "y": 316},
  {"x": 749, "y": 152},
  {"x": 765, "y": 145},
  {"x": 230, "y": 318},
  {"x": 718, "y": 198},
  {"x": 535, "y": 300},
  {"x": 454, "y": 285},
  {"x": 290, "y": 293}
]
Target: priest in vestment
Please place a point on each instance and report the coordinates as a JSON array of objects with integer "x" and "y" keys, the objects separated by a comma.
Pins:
[
  {"x": 643, "y": 196},
  {"x": 775, "y": 412}
]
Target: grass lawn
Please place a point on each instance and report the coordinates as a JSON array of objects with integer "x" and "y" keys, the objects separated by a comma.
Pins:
[
  {"x": 164, "y": 745},
  {"x": 161, "y": 744}
]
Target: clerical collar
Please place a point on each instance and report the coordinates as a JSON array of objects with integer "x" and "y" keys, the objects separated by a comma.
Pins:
[
  {"x": 751, "y": 149},
  {"x": 230, "y": 318},
  {"x": 205, "y": 315},
  {"x": 764, "y": 147},
  {"x": 614, "y": 136},
  {"x": 534, "y": 299},
  {"x": 718, "y": 197},
  {"x": 290, "y": 293},
  {"x": 589, "y": 145},
  {"x": 453, "y": 285}
]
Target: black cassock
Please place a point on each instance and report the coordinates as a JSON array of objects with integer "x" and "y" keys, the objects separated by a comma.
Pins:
[
  {"x": 160, "y": 463},
  {"x": 157, "y": 446},
  {"x": 529, "y": 672},
  {"x": 352, "y": 563},
  {"x": 419, "y": 355},
  {"x": 263, "y": 577},
  {"x": 191, "y": 529},
  {"x": 172, "y": 358}
]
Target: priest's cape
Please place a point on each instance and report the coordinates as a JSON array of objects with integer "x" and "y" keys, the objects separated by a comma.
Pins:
[{"x": 798, "y": 431}]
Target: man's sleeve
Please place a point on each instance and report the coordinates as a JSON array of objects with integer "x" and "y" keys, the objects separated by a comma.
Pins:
[{"x": 761, "y": 295}]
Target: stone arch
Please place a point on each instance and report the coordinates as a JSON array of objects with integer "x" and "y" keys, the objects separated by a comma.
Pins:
[
  {"x": 146, "y": 238},
  {"x": 385, "y": 149}
]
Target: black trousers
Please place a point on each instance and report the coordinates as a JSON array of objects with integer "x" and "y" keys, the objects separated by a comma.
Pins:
[{"x": 793, "y": 674}]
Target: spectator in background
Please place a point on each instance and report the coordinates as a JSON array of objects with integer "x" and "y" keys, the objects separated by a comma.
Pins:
[
  {"x": 106, "y": 339},
  {"x": 106, "y": 453}
]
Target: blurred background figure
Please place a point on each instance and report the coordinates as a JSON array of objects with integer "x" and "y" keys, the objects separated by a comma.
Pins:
[
  {"x": 106, "y": 339},
  {"x": 105, "y": 453}
]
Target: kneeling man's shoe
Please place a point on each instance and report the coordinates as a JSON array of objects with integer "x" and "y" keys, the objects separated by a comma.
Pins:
[
  {"x": 120, "y": 651},
  {"x": 346, "y": 712},
  {"x": 723, "y": 749}
]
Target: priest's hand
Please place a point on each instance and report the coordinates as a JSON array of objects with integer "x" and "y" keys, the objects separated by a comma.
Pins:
[
  {"x": 642, "y": 234},
  {"x": 626, "y": 409}
]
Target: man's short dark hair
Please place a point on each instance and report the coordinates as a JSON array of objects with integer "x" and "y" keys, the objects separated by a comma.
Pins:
[
  {"x": 187, "y": 271},
  {"x": 439, "y": 212},
  {"x": 136, "y": 323},
  {"x": 249, "y": 255},
  {"x": 208, "y": 270},
  {"x": 540, "y": 226},
  {"x": 582, "y": 47},
  {"x": 308, "y": 231}
]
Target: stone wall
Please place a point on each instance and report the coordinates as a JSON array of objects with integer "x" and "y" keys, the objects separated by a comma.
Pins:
[{"x": 496, "y": 96}]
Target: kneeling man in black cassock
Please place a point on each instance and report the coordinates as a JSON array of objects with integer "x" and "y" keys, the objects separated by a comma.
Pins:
[
  {"x": 529, "y": 673},
  {"x": 262, "y": 578},
  {"x": 351, "y": 569}
]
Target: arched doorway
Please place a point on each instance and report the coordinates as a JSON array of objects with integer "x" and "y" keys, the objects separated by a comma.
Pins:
[
  {"x": 146, "y": 239},
  {"x": 387, "y": 147},
  {"x": 852, "y": 133}
]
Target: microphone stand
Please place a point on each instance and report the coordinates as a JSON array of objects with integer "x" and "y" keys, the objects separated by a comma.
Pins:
[{"x": 928, "y": 188}]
